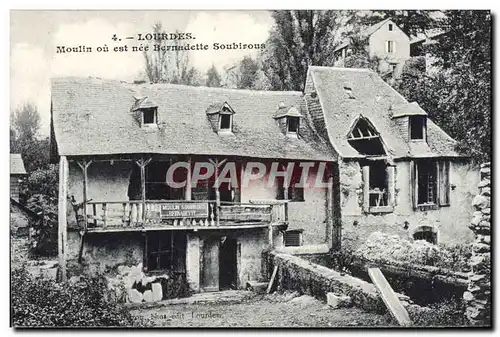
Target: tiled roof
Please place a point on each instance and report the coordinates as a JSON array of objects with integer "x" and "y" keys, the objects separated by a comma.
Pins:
[
  {"x": 373, "y": 99},
  {"x": 407, "y": 109},
  {"x": 16, "y": 164},
  {"x": 93, "y": 117}
]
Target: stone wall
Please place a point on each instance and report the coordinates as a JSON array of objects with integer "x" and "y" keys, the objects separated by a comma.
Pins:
[
  {"x": 358, "y": 225},
  {"x": 478, "y": 295},
  {"x": 296, "y": 273}
]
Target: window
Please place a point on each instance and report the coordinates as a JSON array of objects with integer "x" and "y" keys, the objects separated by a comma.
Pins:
[
  {"x": 390, "y": 27},
  {"x": 427, "y": 184},
  {"x": 149, "y": 116},
  {"x": 391, "y": 47},
  {"x": 293, "y": 238},
  {"x": 292, "y": 125},
  {"x": 166, "y": 251},
  {"x": 378, "y": 186},
  {"x": 225, "y": 122},
  {"x": 426, "y": 233},
  {"x": 294, "y": 193},
  {"x": 430, "y": 183},
  {"x": 417, "y": 127}
]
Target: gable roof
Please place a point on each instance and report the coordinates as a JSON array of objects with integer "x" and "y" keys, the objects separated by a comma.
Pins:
[
  {"x": 374, "y": 99},
  {"x": 16, "y": 164},
  {"x": 367, "y": 32},
  {"x": 92, "y": 117}
]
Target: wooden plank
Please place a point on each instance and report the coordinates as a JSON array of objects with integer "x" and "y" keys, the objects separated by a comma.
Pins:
[
  {"x": 366, "y": 188},
  {"x": 271, "y": 281},
  {"x": 391, "y": 185},
  {"x": 389, "y": 297}
]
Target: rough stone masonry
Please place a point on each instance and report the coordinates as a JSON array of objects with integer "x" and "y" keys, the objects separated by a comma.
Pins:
[{"x": 478, "y": 294}]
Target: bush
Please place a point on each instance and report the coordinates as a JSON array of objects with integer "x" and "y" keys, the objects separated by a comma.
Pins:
[
  {"x": 45, "y": 230},
  {"x": 450, "y": 313},
  {"x": 38, "y": 302},
  {"x": 44, "y": 181}
]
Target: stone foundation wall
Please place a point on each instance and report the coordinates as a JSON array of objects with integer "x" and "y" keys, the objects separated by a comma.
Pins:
[{"x": 478, "y": 295}]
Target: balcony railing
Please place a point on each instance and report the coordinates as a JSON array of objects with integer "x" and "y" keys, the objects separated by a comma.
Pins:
[{"x": 178, "y": 214}]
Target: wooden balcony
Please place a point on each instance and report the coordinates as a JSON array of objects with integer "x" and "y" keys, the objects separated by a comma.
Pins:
[{"x": 116, "y": 216}]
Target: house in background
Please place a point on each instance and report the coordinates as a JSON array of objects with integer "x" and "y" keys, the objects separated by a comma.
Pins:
[
  {"x": 392, "y": 46},
  {"x": 382, "y": 163},
  {"x": 17, "y": 173}
]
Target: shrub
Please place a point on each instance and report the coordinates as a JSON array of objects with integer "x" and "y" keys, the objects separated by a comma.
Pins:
[
  {"x": 45, "y": 230},
  {"x": 38, "y": 302},
  {"x": 44, "y": 181}
]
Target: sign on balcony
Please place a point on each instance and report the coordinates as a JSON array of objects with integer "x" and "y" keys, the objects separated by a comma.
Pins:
[{"x": 184, "y": 210}]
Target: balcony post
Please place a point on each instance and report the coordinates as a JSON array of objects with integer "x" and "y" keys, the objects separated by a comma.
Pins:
[
  {"x": 142, "y": 165},
  {"x": 217, "y": 192},
  {"x": 285, "y": 196},
  {"x": 84, "y": 166},
  {"x": 188, "y": 181},
  {"x": 62, "y": 221}
]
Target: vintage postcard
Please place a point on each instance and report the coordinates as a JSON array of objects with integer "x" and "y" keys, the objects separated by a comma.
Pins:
[{"x": 263, "y": 169}]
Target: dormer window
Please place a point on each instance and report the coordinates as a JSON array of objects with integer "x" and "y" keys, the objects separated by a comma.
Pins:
[
  {"x": 418, "y": 127},
  {"x": 292, "y": 125},
  {"x": 225, "y": 122},
  {"x": 288, "y": 120},
  {"x": 147, "y": 111},
  {"x": 220, "y": 116},
  {"x": 365, "y": 139},
  {"x": 149, "y": 116}
]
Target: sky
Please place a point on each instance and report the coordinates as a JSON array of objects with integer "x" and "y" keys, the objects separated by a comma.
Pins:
[{"x": 34, "y": 36}]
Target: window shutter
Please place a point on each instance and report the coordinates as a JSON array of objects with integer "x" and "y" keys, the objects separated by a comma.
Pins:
[
  {"x": 366, "y": 188},
  {"x": 444, "y": 183},
  {"x": 391, "y": 185},
  {"x": 413, "y": 184}
]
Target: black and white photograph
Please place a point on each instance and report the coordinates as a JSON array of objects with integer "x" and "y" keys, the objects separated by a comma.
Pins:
[{"x": 250, "y": 169}]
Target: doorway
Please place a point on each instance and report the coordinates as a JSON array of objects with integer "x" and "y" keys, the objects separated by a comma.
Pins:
[
  {"x": 210, "y": 264},
  {"x": 228, "y": 274},
  {"x": 219, "y": 266}
]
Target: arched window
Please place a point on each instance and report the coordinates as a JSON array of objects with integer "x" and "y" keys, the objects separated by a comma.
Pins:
[
  {"x": 426, "y": 233},
  {"x": 364, "y": 138}
]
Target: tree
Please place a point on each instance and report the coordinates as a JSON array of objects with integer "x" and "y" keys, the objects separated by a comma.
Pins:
[
  {"x": 165, "y": 66},
  {"x": 247, "y": 74},
  {"x": 458, "y": 95},
  {"x": 25, "y": 125},
  {"x": 213, "y": 78},
  {"x": 298, "y": 39}
]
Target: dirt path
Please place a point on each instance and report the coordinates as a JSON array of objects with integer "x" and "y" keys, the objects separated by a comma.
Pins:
[{"x": 260, "y": 311}]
